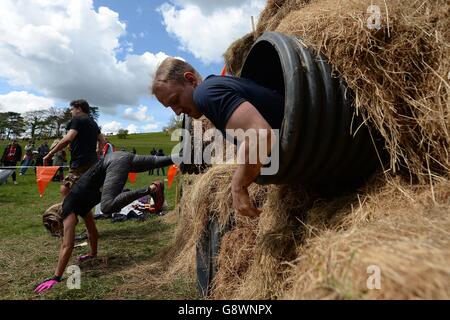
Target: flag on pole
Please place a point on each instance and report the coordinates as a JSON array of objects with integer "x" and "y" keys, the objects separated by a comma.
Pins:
[
  {"x": 171, "y": 174},
  {"x": 132, "y": 177},
  {"x": 224, "y": 71},
  {"x": 43, "y": 177}
]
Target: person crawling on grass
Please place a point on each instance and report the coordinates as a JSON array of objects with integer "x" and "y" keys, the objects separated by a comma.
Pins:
[{"x": 102, "y": 183}]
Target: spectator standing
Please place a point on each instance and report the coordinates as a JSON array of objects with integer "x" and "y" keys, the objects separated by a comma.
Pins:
[
  {"x": 11, "y": 155},
  {"x": 28, "y": 159},
  {"x": 153, "y": 152},
  {"x": 160, "y": 153},
  {"x": 59, "y": 159},
  {"x": 107, "y": 149},
  {"x": 42, "y": 152}
]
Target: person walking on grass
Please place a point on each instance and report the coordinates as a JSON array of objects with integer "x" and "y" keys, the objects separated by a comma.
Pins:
[
  {"x": 102, "y": 183},
  {"x": 83, "y": 134}
]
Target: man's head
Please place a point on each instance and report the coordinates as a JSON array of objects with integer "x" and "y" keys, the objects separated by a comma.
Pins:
[
  {"x": 174, "y": 84},
  {"x": 78, "y": 107},
  {"x": 14, "y": 142},
  {"x": 53, "y": 221}
]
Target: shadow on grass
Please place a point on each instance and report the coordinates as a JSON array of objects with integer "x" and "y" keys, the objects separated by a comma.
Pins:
[
  {"x": 132, "y": 229},
  {"x": 129, "y": 244}
]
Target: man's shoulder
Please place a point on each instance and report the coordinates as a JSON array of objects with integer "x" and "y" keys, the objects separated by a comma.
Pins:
[
  {"x": 214, "y": 79},
  {"x": 214, "y": 85},
  {"x": 82, "y": 121}
]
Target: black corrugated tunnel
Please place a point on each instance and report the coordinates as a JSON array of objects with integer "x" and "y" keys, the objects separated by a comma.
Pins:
[{"x": 323, "y": 142}]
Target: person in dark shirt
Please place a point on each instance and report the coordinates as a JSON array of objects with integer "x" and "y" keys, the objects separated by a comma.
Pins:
[
  {"x": 229, "y": 103},
  {"x": 160, "y": 153},
  {"x": 83, "y": 134},
  {"x": 11, "y": 155},
  {"x": 42, "y": 152},
  {"x": 102, "y": 183},
  {"x": 153, "y": 152}
]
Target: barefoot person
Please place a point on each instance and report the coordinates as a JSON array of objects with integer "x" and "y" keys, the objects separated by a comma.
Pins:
[{"x": 102, "y": 183}]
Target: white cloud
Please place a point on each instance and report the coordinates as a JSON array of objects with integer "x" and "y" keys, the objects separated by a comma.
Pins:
[
  {"x": 115, "y": 126},
  {"x": 111, "y": 127},
  {"x": 67, "y": 50},
  {"x": 138, "y": 115},
  {"x": 151, "y": 127},
  {"x": 208, "y": 6},
  {"x": 207, "y": 33},
  {"x": 22, "y": 101},
  {"x": 132, "y": 128}
]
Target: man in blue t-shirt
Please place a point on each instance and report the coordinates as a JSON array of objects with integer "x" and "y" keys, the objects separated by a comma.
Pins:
[{"x": 229, "y": 103}]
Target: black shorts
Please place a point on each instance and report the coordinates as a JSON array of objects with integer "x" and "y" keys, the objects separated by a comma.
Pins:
[{"x": 80, "y": 204}]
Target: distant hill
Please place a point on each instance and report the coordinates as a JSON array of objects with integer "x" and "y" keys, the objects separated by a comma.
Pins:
[{"x": 143, "y": 142}]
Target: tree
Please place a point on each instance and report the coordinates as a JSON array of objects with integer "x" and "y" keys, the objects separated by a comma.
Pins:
[
  {"x": 94, "y": 112},
  {"x": 175, "y": 122},
  {"x": 122, "y": 134},
  {"x": 14, "y": 124},
  {"x": 35, "y": 121},
  {"x": 57, "y": 118},
  {"x": 3, "y": 123}
]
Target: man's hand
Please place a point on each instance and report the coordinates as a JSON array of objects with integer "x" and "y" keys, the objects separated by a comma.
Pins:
[
  {"x": 47, "y": 159},
  {"x": 242, "y": 204}
]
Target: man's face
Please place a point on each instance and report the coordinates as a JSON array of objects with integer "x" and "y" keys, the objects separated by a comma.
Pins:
[
  {"x": 15, "y": 142},
  {"x": 178, "y": 97},
  {"x": 75, "y": 111}
]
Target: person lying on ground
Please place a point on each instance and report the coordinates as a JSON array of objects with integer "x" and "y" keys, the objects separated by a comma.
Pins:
[{"x": 102, "y": 183}]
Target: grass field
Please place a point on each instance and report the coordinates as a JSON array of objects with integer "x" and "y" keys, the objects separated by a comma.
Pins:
[{"x": 28, "y": 254}]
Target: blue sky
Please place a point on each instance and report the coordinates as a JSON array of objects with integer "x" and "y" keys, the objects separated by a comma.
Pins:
[{"x": 54, "y": 51}]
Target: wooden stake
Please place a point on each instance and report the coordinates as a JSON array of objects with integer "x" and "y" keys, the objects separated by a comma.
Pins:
[{"x": 253, "y": 27}]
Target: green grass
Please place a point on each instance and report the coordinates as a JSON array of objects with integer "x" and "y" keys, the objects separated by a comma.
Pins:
[
  {"x": 28, "y": 254},
  {"x": 143, "y": 142}
]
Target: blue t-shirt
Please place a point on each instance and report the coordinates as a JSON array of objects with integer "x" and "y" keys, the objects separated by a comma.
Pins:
[{"x": 217, "y": 97}]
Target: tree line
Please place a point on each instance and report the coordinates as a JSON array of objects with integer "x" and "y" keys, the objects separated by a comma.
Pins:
[{"x": 38, "y": 124}]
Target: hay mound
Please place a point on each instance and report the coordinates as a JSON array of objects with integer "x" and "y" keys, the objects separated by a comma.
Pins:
[
  {"x": 303, "y": 247},
  {"x": 401, "y": 230}
]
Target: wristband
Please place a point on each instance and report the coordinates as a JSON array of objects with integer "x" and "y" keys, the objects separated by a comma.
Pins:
[{"x": 56, "y": 278}]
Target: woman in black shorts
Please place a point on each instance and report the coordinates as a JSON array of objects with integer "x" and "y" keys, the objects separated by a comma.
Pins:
[{"x": 102, "y": 183}]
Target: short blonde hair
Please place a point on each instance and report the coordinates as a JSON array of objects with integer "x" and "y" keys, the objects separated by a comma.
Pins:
[{"x": 172, "y": 69}]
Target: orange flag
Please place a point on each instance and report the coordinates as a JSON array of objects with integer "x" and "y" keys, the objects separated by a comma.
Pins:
[
  {"x": 171, "y": 174},
  {"x": 43, "y": 177},
  {"x": 132, "y": 177},
  {"x": 224, "y": 71}
]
